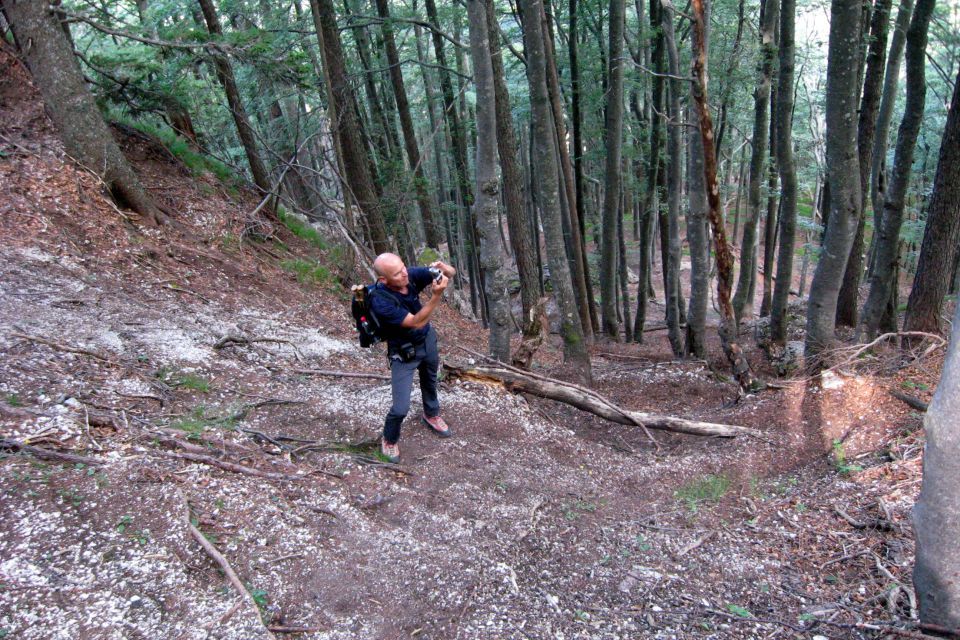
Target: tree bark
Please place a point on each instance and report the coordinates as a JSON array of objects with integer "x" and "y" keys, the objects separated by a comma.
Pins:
[
  {"x": 355, "y": 158},
  {"x": 674, "y": 184},
  {"x": 788, "y": 174},
  {"x": 769, "y": 14},
  {"x": 574, "y": 346},
  {"x": 942, "y": 233},
  {"x": 651, "y": 204},
  {"x": 592, "y": 402},
  {"x": 580, "y": 269},
  {"x": 728, "y": 323},
  {"x": 71, "y": 107},
  {"x": 521, "y": 239},
  {"x": 843, "y": 170},
  {"x": 248, "y": 138},
  {"x": 430, "y": 227},
  {"x": 492, "y": 255},
  {"x": 611, "y": 200},
  {"x": 887, "y": 103},
  {"x": 847, "y": 301},
  {"x": 882, "y": 280},
  {"x": 936, "y": 524}
]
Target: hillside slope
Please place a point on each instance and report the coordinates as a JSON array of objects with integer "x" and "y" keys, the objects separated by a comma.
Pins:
[{"x": 148, "y": 374}]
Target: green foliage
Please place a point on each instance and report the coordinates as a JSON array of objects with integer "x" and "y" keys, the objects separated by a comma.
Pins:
[
  {"x": 302, "y": 229},
  {"x": 198, "y": 420},
  {"x": 13, "y": 400},
  {"x": 840, "y": 459},
  {"x": 308, "y": 271},
  {"x": 179, "y": 380},
  {"x": 197, "y": 162},
  {"x": 709, "y": 488},
  {"x": 737, "y": 610}
]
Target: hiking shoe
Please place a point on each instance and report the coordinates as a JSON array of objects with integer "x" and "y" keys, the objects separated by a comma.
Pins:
[
  {"x": 390, "y": 451},
  {"x": 438, "y": 426}
]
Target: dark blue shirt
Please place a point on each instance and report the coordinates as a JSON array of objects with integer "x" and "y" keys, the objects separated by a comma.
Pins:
[{"x": 391, "y": 307}]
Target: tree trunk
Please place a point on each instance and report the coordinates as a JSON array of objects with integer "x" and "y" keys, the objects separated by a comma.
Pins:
[
  {"x": 935, "y": 522},
  {"x": 430, "y": 227},
  {"x": 611, "y": 201},
  {"x": 887, "y": 103},
  {"x": 574, "y": 346},
  {"x": 355, "y": 158},
  {"x": 651, "y": 204},
  {"x": 674, "y": 184},
  {"x": 622, "y": 274},
  {"x": 728, "y": 324},
  {"x": 770, "y": 220},
  {"x": 942, "y": 233},
  {"x": 580, "y": 268},
  {"x": 592, "y": 402},
  {"x": 248, "y": 138},
  {"x": 769, "y": 14},
  {"x": 521, "y": 239},
  {"x": 492, "y": 257},
  {"x": 86, "y": 137},
  {"x": 843, "y": 170},
  {"x": 882, "y": 280},
  {"x": 847, "y": 301},
  {"x": 788, "y": 175},
  {"x": 695, "y": 343}
]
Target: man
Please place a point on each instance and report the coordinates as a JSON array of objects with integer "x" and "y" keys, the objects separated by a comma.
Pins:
[{"x": 411, "y": 341}]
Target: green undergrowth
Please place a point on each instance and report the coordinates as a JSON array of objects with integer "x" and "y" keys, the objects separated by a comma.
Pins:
[
  {"x": 709, "y": 488},
  {"x": 302, "y": 229}
]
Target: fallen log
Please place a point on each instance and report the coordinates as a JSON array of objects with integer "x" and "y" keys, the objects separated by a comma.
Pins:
[{"x": 590, "y": 401}]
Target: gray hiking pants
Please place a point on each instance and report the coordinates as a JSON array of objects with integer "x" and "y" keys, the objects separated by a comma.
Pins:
[{"x": 427, "y": 363}]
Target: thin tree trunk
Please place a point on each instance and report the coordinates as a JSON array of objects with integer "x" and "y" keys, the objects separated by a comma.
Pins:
[
  {"x": 847, "y": 301},
  {"x": 574, "y": 346},
  {"x": 788, "y": 175},
  {"x": 580, "y": 268},
  {"x": 614, "y": 143},
  {"x": 728, "y": 324},
  {"x": 406, "y": 124},
  {"x": 261, "y": 176},
  {"x": 355, "y": 158},
  {"x": 885, "y": 116},
  {"x": 695, "y": 342},
  {"x": 843, "y": 173},
  {"x": 622, "y": 273},
  {"x": 942, "y": 233},
  {"x": 770, "y": 220},
  {"x": 674, "y": 185},
  {"x": 71, "y": 107},
  {"x": 882, "y": 279}
]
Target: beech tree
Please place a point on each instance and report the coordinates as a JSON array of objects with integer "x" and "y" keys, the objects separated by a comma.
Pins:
[
  {"x": 942, "y": 232},
  {"x": 935, "y": 522}
]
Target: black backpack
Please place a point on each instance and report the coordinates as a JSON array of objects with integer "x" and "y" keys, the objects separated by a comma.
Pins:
[{"x": 368, "y": 325}]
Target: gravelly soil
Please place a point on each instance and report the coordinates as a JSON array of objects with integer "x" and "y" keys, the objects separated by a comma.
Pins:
[{"x": 535, "y": 521}]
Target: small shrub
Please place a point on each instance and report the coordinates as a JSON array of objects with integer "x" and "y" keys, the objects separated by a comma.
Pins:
[
  {"x": 308, "y": 272},
  {"x": 707, "y": 489},
  {"x": 840, "y": 460},
  {"x": 302, "y": 229}
]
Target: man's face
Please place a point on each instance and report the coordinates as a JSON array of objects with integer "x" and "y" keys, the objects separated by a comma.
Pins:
[{"x": 395, "y": 274}]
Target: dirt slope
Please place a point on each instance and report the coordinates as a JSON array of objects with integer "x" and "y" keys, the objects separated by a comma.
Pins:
[{"x": 535, "y": 521}]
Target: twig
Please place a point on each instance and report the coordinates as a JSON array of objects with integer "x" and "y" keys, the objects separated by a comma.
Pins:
[
  {"x": 86, "y": 420},
  {"x": 47, "y": 454},
  {"x": 61, "y": 347},
  {"x": 224, "y": 565},
  {"x": 227, "y": 466},
  {"x": 286, "y": 629},
  {"x": 696, "y": 543}
]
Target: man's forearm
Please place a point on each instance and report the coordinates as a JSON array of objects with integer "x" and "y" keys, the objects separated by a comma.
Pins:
[{"x": 422, "y": 317}]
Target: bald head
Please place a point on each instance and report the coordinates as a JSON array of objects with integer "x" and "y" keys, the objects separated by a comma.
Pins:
[{"x": 386, "y": 263}]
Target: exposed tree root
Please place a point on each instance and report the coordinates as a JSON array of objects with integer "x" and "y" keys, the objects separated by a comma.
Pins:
[{"x": 48, "y": 454}]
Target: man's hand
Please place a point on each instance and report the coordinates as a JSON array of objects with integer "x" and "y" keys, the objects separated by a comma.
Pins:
[
  {"x": 439, "y": 286},
  {"x": 445, "y": 268}
]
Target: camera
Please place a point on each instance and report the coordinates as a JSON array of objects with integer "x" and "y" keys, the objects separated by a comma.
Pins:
[{"x": 436, "y": 273}]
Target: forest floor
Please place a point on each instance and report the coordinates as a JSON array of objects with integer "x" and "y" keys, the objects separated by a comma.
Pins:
[{"x": 180, "y": 365}]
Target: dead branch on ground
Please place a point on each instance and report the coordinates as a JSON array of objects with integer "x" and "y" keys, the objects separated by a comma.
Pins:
[
  {"x": 224, "y": 566},
  {"x": 590, "y": 401},
  {"x": 7, "y": 444},
  {"x": 62, "y": 347},
  {"x": 227, "y": 466},
  {"x": 337, "y": 374},
  {"x": 916, "y": 403}
]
